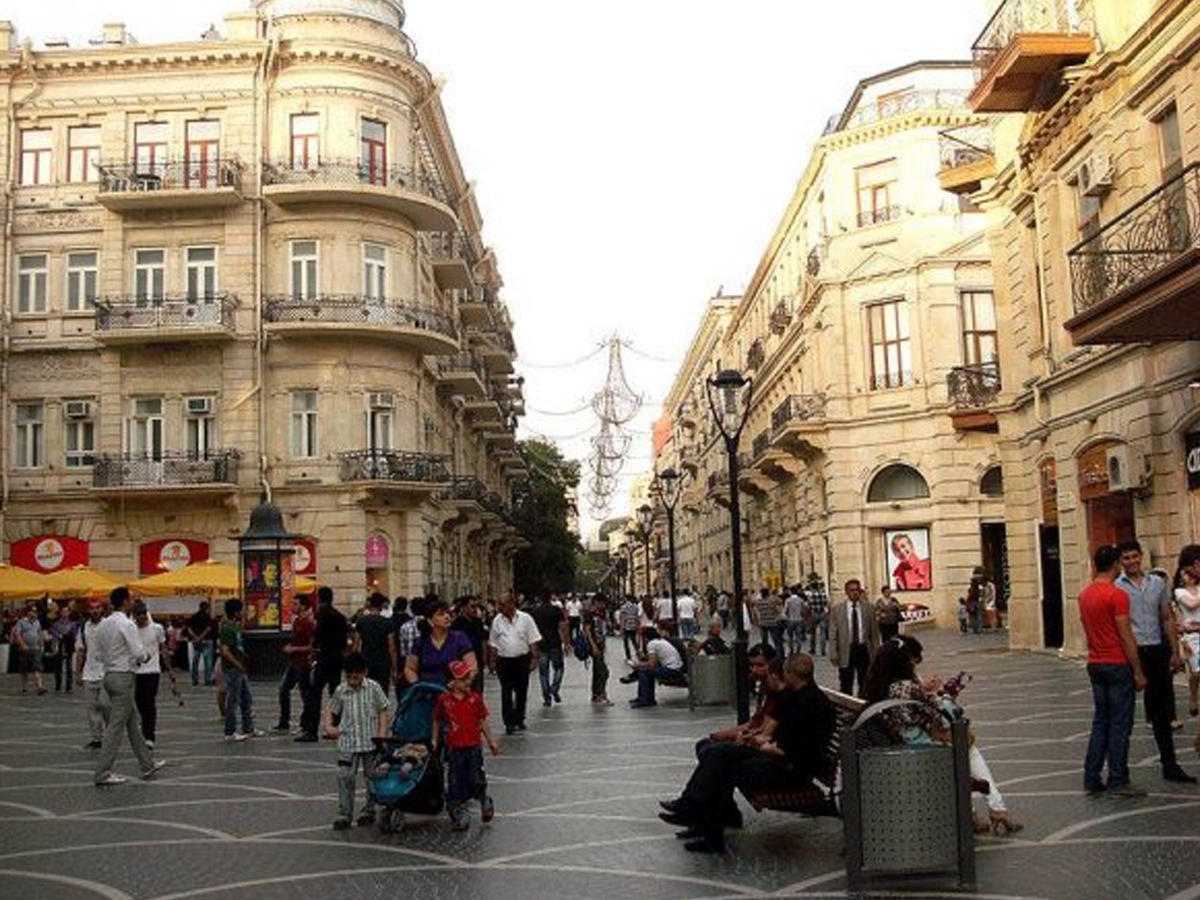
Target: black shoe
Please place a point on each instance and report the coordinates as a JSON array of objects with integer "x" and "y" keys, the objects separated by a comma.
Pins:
[
  {"x": 642, "y": 704},
  {"x": 557, "y": 698},
  {"x": 306, "y": 738},
  {"x": 1095, "y": 790},
  {"x": 677, "y": 818},
  {"x": 627, "y": 679},
  {"x": 92, "y": 745},
  {"x": 671, "y": 806},
  {"x": 521, "y": 726},
  {"x": 1178, "y": 775},
  {"x": 705, "y": 845},
  {"x": 689, "y": 834},
  {"x": 341, "y": 824},
  {"x": 366, "y": 819},
  {"x": 546, "y": 702},
  {"x": 510, "y": 729}
]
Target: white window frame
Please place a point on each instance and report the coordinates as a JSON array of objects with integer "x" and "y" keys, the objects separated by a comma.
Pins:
[
  {"x": 375, "y": 271},
  {"x": 151, "y": 296},
  {"x": 200, "y": 434},
  {"x": 86, "y": 170},
  {"x": 32, "y": 283},
  {"x": 82, "y": 433},
  {"x": 303, "y": 433},
  {"x": 29, "y": 436},
  {"x": 79, "y": 299},
  {"x": 146, "y": 428},
  {"x": 200, "y": 267},
  {"x": 308, "y": 287},
  {"x": 380, "y": 426}
]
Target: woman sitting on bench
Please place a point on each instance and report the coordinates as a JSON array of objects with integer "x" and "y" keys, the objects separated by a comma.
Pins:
[
  {"x": 662, "y": 663},
  {"x": 892, "y": 676}
]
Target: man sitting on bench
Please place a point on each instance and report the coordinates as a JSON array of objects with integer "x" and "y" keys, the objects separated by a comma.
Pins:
[
  {"x": 791, "y": 757},
  {"x": 662, "y": 663}
]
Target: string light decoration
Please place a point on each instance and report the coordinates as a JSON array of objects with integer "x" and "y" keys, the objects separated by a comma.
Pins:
[{"x": 616, "y": 404}]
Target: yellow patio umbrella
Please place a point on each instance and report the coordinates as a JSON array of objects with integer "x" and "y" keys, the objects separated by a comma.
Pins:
[
  {"x": 302, "y": 584},
  {"x": 207, "y": 579},
  {"x": 81, "y": 581},
  {"x": 20, "y": 584}
]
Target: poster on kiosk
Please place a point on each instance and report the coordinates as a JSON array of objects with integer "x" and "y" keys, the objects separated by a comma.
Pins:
[{"x": 269, "y": 590}]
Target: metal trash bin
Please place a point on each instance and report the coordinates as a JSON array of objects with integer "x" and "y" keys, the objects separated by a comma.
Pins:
[
  {"x": 906, "y": 809},
  {"x": 710, "y": 679}
]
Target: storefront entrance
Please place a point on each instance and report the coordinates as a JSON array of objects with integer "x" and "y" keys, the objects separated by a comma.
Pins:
[{"x": 1052, "y": 599}]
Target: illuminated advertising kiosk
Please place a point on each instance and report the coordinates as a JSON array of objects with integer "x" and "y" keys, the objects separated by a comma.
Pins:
[{"x": 266, "y": 581}]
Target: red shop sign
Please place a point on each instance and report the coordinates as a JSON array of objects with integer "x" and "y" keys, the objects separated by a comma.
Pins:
[
  {"x": 169, "y": 554},
  {"x": 49, "y": 553},
  {"x": 304, "y": 561}
]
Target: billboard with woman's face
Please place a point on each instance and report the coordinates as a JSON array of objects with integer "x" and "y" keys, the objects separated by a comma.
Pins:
[{"x": 910, "y": 564}]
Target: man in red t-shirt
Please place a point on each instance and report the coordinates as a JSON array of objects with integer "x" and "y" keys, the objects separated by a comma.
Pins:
[
  {"x": 461, "y": 717},
  {"x": 1116, "y": 674},
  {"x": 299, "y": 674}
]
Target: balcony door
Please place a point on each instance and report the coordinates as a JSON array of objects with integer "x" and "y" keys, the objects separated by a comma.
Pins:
[
  {"x": 1175, "y": 207},
  {"x": 150, "y": 149},
  {"x": 149, "y": 277},
  {"x": 373, "y": 155},
  {"x": 202, "y": 147},
  {"x": 979, "y": 329},
  {"x": 145, "y": 441}
]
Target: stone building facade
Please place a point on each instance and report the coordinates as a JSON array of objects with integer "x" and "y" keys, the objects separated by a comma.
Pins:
[
  {"x": 251, "y": 264},
  {"x": 1093, "y": 197}
]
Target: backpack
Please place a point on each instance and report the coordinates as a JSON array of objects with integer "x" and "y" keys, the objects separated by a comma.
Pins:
[{"x": 579, "y": 644}]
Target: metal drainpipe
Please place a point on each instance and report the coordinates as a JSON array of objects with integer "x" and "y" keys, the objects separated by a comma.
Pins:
[{"x": 260, "y": 342}]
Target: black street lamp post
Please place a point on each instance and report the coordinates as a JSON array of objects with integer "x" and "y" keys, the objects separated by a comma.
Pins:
[
  {"x": 669, "y": 484},
  {"x": 627, "y": 546},
  {"x": 729, "y": 396},
  {"x": 645, "y": 517}
]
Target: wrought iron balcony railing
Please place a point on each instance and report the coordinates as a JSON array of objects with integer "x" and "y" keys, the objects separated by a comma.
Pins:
[
  {"x": 795, "y": 409},
  {"x": 467, "y": 361},
  {"x": 780, "y": 317},
  {"x": 350, "y": 172},
  {"x": 760, "y": 445},
  {"x": 878, "y": 216},
  {"x": 965, "y": 144},
  {"x": 394, "y": 465},
  {"x": 495, "y": 504},
  {"x": 216, "y": 467},
  {"x": 358, "y": 309},
  {"x": 197, "y": 175},
  {"x": 898, "y": 105},
  {"x": 170, "y": 311},
  {"x": 973, "y": 387},
  {"x": 1141, "y": 241},
  {"x": 755, "y": 355},
  {"x": 1014, "y": 17},
  {"x": 465, "y": 487},
  {"x": 449, "y": 246}
]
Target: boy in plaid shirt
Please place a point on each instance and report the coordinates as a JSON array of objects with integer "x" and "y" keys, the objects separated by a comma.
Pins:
[
  {"x": 363, "y": 707},
  {"x": 463, "y": 716}
]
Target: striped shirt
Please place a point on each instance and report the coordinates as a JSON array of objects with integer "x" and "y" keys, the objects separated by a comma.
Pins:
[
  {"x": 359, "y": 708},
  {"x": 406, "y": 638}
]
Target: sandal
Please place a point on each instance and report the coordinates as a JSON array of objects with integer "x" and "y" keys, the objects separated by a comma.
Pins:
[{"x": 1002, "y": 823}]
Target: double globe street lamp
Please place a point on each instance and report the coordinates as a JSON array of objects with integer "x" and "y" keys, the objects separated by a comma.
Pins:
[
  {"x": 645, "y": 517},
  {"x": 729, "y": 396},
  {"x": 666, "y": 486}
]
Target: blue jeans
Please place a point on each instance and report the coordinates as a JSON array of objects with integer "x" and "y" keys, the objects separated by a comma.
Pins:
[
  {"x": 687, "y": 629},
  {"x": 821, "y": 624},
  {"x": 203, "y": 650},
  {"x": 237, "y": 694},
  {"x": 551, "y": 658},
  {"x": 795, "y": 636},
  {"x": 1112, "y": 719},
  {"x": 466, "y": 780},
  {"x": 646, "y": 679},
  {"x": 348, "y": 765},
  {"x": 301, "y": 678}
]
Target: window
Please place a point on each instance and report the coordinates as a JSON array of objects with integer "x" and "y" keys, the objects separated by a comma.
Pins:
[
  {"x": 83, "y": 153},
  {"x": 1169, "y": 144},
  {"x": 306, "y": 141},
  {"x": 891, "y": 353},
  {"x": 379, "y": 421},
  {"x": 1178, "y": 222},
  {"x": 80, "y": 435},
  {"x": 145, "y": 428},
  {"x": 150, "y": 148},
  {"x": 28, "y": 447},
  {"x": 201, "y": 265},
  {"x": 979, "y": 327},
  {"x": 37, "y": 156},
  {"x": 82, "y": 274},
  {"x": 374, "y": 271},
  {"x": 149, "y": 276},
  {"x": 992, "y": 482},
  {"x": 201, "y": 148},
  {"x": 304, "y": 425},
  {"x": 31, "y": 283},
  {"x": 875, "y": 185},
  {"x": 897, "y": 482},
  {"x": 373, "y": 157},
  {"x": 304, "y": 270},
  {"x": 200, "y": 427}
]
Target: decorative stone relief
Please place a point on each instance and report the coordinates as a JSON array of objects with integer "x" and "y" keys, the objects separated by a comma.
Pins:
[{"x": 50, "y": 222}]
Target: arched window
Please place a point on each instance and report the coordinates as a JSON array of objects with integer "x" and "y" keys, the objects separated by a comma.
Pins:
[
  {"x": 898, "y": 482},
  {"x": 992, "y": 482}
]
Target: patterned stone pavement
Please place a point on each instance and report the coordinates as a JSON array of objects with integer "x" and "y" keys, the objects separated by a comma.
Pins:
[{"x": 576, "y": 799}]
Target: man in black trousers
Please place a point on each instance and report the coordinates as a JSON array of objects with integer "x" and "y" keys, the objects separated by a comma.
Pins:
[{"x": 512, "y": 654}]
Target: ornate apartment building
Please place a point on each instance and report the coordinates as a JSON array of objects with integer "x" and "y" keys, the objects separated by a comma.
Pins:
[
  {"x": 869, "y": 332},
  {"x": 1093, "y": 195},
  {"x": 251, "y": 264}
]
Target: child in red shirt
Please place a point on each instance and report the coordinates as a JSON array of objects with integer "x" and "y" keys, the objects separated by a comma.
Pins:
[{"x": 463, "y": 716}]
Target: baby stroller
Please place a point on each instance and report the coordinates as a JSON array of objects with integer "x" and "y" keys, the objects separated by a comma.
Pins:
[{"x": 406, "y": 775}]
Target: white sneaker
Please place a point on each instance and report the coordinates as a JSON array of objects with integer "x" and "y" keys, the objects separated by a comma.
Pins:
[
  {"x": 156, "y": 766},
  {"x": 257, "y": 733},
  {"x": 150, "y": 745},
  {"x": 236, "y": 736},
  {"x": 111, "y": 778}
]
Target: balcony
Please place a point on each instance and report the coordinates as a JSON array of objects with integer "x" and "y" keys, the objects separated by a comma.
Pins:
[
  {"x": 171, "y": 185},
  {"x": 420, "y": 328},
  {"x": 756, "y": 355},
  {"x": 465, "y": 492},
  {"x": 972, "y": 390},
  {"x": 760, "y": 445},
  {"x": 215, "y": 472},
  {"x": 894, "y": 105},
  {"x": 484, "y": 411},
  {"x": 140, "y": 320},
  {"x": 1024, "y": 43},
  {"x": 494, "y": 350},
  {"x": 1138, "y": 277},
  {"x": 402, "y": 471},
  {"x": 797, "y": 427},
  {"x": 452, "y": 258},
  {"x": 475, "y": 308},
  {"x": 398, "y": 189},
  {"x": 967, "y": 158},
  {"x": 462, "y": 374},
  {"x": 780, "y": 318},
  {"x": 867, "y": 217},
  {"x": 501, "y": 438}
]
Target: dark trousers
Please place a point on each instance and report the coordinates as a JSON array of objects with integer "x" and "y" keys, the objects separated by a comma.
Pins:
[
  {"x": 327, "y": 674},
  {"x": 888, "y": 630},
  {"x": 725, "y": 767},
  {"x": 465, "y": 776},
  {"x": 599, "y": 677},
  {"x": 1112, "y": 717},
  {"x": 513, "y": 673},
  {"x": 629, "y": 639},
  {"x": 145, "y": 697},
  {"x": 859, "y": 660},
  {"x": 295, "y": 678},
  {"x": 383, "y": 675},
  {"x": 65, "y": 661},
  {"x": 1156, "y": 663}
]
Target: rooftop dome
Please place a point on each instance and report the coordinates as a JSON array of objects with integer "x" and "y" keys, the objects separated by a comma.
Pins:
[{"x": 386, "y": 12}]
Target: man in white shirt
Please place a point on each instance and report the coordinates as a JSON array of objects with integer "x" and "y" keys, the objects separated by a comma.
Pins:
[
  {"x": 662, "y": 662},
  {"x": 146, "y": 677},
  {"x": 663, "y": 611},
  {"x": 119, "y": 651},
  {"x": 90, "y": 672},
  {"x": 793, "y": 617},
  {"x": 574, "y": 608},
  {"x": 512, "y": 654},
  {"x": 685, "y": 605}
]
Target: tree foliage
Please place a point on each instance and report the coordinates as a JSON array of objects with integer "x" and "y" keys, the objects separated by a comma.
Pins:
[{"x": 543, "y": 506}]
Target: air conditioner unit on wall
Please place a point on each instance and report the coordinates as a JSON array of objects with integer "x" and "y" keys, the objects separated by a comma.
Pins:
[
  {"x": 77, "y": 409},
  {"x": 1126, "y": 469},
  {"x": 199, "y": 406},
  {"x": 1096, "y": 175}
]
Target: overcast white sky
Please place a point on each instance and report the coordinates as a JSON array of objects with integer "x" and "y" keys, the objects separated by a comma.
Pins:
[{"x": 631, "y": 156}]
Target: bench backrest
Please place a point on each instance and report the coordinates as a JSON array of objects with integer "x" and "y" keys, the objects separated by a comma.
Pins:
[{"x": 846, "y": 709}]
